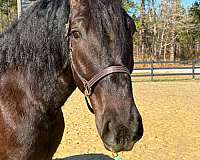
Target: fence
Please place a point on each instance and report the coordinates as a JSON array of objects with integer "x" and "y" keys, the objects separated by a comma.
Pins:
[{"x": 159, "y": 69}]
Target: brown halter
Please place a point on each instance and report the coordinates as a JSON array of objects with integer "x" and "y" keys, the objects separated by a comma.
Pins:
[{"x": 88, "y": 84}]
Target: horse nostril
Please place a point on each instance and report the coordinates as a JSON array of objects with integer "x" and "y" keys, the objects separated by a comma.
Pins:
[
  {"x": 106, "y": 129},
  {"x": 123, "y": 135}
]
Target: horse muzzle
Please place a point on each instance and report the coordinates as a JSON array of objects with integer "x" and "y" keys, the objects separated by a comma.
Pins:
[{"x": 118, "y": 137}]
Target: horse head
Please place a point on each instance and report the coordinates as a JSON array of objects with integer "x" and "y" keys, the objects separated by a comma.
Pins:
[{"x": 100, "y": 36}]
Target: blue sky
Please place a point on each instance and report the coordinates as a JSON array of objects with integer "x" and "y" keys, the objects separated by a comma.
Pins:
[{"x": 187, "y": 3}]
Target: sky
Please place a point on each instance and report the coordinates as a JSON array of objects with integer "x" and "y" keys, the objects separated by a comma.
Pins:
[{"x": 187, "y": 3}]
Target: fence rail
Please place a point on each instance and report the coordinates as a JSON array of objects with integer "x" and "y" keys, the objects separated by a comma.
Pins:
[{"x": 179, "y": 68}]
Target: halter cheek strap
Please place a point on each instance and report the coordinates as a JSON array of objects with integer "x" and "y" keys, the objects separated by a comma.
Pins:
[{"x": 88, "y": 84}]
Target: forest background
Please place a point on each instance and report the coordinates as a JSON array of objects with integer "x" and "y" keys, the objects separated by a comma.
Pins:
[{"x": 167, "y": 30}]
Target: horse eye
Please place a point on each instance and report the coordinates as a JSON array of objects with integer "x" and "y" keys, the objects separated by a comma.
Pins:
[{"x": 76, "y": 34}]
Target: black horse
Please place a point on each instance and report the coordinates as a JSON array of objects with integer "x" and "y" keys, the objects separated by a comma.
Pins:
[{"x": 56, "y": 46}]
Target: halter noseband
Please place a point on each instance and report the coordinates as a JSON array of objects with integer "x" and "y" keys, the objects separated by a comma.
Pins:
[{"x": 88, "y": 84}]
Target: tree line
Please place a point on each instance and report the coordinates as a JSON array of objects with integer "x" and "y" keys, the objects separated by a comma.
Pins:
[
  {"x": 166, "y": 30},
  {"x": 8, "y": 12}
]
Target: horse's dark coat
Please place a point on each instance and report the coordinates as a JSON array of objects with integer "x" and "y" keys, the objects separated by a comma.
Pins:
[
  {"x": 34, "y": 82},
  {"x": 36, "y": 76}
]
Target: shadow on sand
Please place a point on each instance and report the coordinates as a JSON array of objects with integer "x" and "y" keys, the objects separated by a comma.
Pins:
[{"x": 87, "y": 157}]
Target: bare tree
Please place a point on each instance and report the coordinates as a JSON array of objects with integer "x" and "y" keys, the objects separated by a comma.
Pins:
[
  {"x": 175, "y": 4},
  {"x": 142, "y": 29},
  {"x": 167, "y": 31}
]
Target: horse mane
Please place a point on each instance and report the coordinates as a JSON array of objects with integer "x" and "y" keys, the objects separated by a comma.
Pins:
[{"x": 36, "y": 42}]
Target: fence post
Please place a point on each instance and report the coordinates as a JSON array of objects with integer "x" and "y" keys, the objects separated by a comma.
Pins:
[
  {"x": 152, "y": 62},
  {"x": 193, "y": 69},
  {"x": 19, "y": 8}
]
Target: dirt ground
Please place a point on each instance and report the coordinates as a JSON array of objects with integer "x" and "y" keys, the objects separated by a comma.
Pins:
[{"x": 171, "y": 117}]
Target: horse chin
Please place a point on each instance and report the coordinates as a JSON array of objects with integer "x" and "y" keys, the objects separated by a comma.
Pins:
[{"x": 118, "y": 148}]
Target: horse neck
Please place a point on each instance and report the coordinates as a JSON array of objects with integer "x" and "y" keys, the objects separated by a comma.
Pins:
[{"x": 55, "y": 89}]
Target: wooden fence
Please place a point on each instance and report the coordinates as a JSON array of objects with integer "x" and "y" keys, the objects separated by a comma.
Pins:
[{"x": 160, "y": 69}]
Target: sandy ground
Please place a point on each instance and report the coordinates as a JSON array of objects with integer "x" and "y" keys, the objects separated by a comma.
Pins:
[{"x": 171, "y": 117}]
